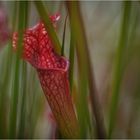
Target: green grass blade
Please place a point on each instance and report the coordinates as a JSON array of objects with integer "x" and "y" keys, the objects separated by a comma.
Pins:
[
  {"x": 21, "y": 125},
  {"x": 63, "y": 41},
  {"x": 42, "y": 10},
  {"x": 21, "y": 128},
  {"x": 16, "y": 90},
  {"x": 4, "y": 95},
  {"x": 6, "y": 81},
  {"x": 118, "y": 73},
  {"x": 71, "y": 59},
  {"x": 85, "y": 72},
  {"x": 14, "y": 103},
  {"x": 82, "y": 77},
  {"x": 12, "y": 130}
]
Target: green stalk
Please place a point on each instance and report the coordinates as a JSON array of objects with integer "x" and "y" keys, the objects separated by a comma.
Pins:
[
  {"x": 42, "y": 10},
  {"x": 3, "y": 96},
  {"x": 12, "y": 124},
  {"x": 15, "y": 92},
  {"x": 71, "y": 59},
  {"x": 14, "y": 103},
  {"x": 82, "y": 77},
  {"x": 21, "y": 129},
  {"x": 118, "y": 73},
  {"x": 63, "y": 41},
  {"x": 86, "y": 77},
  {"x": 6, "y": 83},
  {"x": 135, "y": 99}
]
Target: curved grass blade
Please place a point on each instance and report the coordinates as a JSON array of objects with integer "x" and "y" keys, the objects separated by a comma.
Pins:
[
  {"x": 5, "y": 72},
  {"x": 85, "y": 72},
  {"x": 21, "y": 125},
  {"x": 118, "y": 73},
  {"x": 45, "y": 17},
  {"x": 71, "y": 59},
  {"x": 15, "y": 92},
  {"x": 63, "y": 41}
]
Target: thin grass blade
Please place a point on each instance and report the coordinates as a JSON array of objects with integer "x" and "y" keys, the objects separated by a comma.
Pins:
[
  {"x": 118, "y": 71},
  {"x": 43, "y": 12},
  {"x": 63, "y": 41},
  {"x": 16, "y": 85},
  {"x": 86, "y": 76}
]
